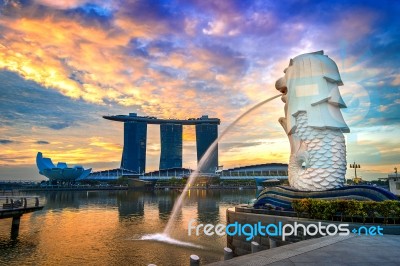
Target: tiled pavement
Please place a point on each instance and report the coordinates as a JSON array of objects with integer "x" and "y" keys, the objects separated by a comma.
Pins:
[{"x": 331, "y": 250}]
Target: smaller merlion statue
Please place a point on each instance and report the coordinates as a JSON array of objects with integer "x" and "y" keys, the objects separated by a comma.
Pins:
[{"x": 313, "y": 122}]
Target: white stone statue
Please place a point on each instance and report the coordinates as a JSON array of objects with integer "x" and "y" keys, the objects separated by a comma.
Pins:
[{"x": 313, "y": 122}]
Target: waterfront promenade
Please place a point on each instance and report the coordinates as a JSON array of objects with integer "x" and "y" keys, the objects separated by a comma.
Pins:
[{"x": 331, "y": 250}]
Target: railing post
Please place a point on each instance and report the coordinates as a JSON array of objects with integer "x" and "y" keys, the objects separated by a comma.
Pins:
[
  {"x": 25, "y": 203},
  {"x": 272, "y": 243},
  {"x": 36, "y": 202},
  {"x": 194, "y": 260},
  {"x": 15, "y": 226},
  {"x": 12, "y": 203},
  {"x": 255, "y": 247},
  {"x": 228, "y": 254}
]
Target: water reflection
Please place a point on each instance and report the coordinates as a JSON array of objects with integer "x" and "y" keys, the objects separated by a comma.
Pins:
[
  {"x": 131, "y": 204},
  {"x": 208, "y": 206},
  {"x": 165, "y": 205},
  {"x": 98, "y": 227}
]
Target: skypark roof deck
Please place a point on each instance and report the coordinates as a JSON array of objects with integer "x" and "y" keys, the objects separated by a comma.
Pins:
[{"x": 154, "y": 120}]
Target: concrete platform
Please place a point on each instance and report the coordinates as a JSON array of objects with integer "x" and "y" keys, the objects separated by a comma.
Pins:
[{"x": 331, "y": 250}]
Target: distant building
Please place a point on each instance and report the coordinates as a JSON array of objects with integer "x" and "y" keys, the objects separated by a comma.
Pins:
[
  {"x": 206, "y": 134},
  {"x": 261, "y": 173},
  {"x": 135, "y": 138},
  {"x": 258, "y": 172},
  {"x": 109, "y": 175},
  {"x": 394, "y": 184},
  {"x": 61, "y": 172},
  {"x": 134, "y": 152},
  {"x": 171, "y": 146},
  {"x": 266, "y": 169},
  {"x": 177, "y": 172}
]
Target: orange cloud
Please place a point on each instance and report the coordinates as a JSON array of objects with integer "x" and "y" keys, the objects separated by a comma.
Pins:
[{"x": 97, "y": 63}]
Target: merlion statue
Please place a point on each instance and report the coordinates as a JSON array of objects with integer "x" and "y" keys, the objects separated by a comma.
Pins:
[{"x": 313, "y": 122}]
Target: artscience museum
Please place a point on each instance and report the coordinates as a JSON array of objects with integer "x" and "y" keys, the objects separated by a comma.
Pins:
[{"x": 61, "y": 171}]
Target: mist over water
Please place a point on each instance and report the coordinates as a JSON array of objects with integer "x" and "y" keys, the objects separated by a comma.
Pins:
[{"x": 165, "y": 238}]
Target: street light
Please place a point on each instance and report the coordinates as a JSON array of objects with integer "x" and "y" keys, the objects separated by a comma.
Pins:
[{"x": 355, "y": 166}]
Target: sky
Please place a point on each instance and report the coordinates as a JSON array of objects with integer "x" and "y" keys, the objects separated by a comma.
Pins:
[{"x": 64, "y": 64}]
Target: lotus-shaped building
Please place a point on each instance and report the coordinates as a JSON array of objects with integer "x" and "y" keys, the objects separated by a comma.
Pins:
[{"x": 61, "y": 172}]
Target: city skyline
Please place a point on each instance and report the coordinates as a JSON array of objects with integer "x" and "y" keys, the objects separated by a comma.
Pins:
[{"x": 64, "y": 65}]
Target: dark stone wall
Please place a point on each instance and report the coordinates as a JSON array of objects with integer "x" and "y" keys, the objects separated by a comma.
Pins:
[{"x": 244, "y": 215}]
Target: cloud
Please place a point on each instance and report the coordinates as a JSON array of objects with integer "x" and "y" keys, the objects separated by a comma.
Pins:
[
  {"x": 59, "y": 125},
  {"x": 12, "y": 159},
  {"x": 6, "y": 141},
  {"x": 42, "y": 142},
  {"x": 66, "y": 63},
  {"x": 99, "y": 142},
  {"x": 396, "y": 81},
  {"x": 383, "y": 108},
  {"x": 27, "y": 103},
  {"x": 64, "y": 4}
]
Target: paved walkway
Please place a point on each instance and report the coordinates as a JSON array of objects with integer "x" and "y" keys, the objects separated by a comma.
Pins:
[{"x": 331, "y": 250}]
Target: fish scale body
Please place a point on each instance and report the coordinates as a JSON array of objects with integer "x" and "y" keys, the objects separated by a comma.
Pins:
[{"x": 326, "y": 150}]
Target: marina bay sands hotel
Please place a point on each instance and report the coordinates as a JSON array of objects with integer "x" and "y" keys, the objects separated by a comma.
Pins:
[{"x": 135, "y": 138}]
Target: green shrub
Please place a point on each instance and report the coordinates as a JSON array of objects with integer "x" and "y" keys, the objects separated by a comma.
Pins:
[
  {"x": 296, "y": 207},
  {"x": 317, "y": 209},
  {"x": 390, "y": 209},
  {"x": 371, "y": 208},
  {"x": 342, "y": 206},
  {"x": 396, "y": 210},
  {"x": 301, "y": 206},
  {"x": 354, "y": 209},
  {"x": 328, "y": 209}
]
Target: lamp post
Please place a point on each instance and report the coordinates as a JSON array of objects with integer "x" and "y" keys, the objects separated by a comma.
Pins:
[
  {"x": 355, "y": 166},
  {"x": 395, "y": 171}
]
